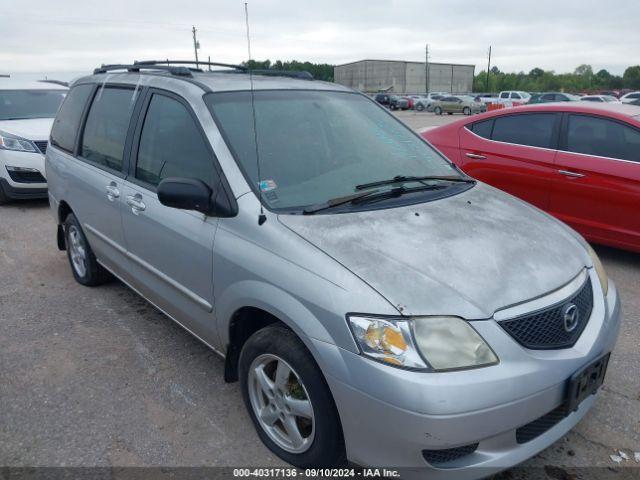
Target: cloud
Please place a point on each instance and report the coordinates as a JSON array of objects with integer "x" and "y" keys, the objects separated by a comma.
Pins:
[{"x": 73, "y": 35}]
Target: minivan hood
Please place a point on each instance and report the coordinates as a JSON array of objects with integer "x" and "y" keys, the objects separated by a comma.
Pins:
[
  {"x": 31, "y": 129},
  {"x": 467, "y": 255}
]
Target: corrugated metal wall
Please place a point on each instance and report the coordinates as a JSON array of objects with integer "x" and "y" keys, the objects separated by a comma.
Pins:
[{"x": 404, "y": 77}]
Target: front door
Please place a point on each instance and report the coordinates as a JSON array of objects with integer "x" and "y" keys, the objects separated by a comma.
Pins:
[
  {"x": 171, "y": 250},
  {"x": 596, "y": 188}
]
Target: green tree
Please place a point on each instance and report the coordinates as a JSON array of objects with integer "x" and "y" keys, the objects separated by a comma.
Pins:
[{"x": 631, "y": 77}]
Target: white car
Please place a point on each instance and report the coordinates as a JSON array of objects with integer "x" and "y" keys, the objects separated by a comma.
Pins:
[
  {"x": 599, "y": 98},
  {"x": 27, "y": 110},
  {"x": 426, "y": 102},
  {"x": 510, "y": 98},
  {"x": 630, "y": 97}
]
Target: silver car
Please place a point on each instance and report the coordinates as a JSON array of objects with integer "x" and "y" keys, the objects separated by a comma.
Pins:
[{"x": 377, "y": 305}]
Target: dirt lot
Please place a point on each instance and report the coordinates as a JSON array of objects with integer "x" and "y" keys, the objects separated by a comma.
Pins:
[{"x": 96, "y": 376}]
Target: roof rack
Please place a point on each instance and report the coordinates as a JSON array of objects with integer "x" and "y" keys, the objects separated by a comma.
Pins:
[{"x": 177, "y": 67}]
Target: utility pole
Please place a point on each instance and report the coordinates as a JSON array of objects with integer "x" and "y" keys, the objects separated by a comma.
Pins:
[
  {"x": 426, "y": 70},
  {"x": 488, "y": 69},
  {"x": 196, "y": 45}
]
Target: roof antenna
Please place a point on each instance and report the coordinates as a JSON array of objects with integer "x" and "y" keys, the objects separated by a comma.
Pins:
[{"x": 262, "y": 217}]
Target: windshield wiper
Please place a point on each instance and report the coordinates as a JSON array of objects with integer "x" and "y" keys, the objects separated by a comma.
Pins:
[
  {"x": 396, "y": 192},
  {"x": 334, "y": 202},
  {"x": 404, "y": 179}
]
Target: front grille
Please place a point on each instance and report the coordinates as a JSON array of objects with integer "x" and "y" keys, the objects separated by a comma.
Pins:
[
  {"x": 545, "y": 329},
  {"x": 26, "y": 177},
  {"x": 42, "y": 145},
  {"x": 439, "y": 457},
  {"x": 536, "y": 428}
]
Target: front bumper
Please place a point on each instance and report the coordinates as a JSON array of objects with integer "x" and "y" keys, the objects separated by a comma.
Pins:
[
  {"x": 389, "y": 416},
  {"x": 17, "y": 190}
]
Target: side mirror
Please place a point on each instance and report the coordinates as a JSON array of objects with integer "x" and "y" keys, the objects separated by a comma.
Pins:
[{"x": 185, "y": 194}]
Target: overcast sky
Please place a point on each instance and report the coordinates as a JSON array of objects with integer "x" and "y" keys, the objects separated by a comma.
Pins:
[{"x": 77, "y": 35}]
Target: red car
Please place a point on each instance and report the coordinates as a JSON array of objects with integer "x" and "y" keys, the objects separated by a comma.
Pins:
[{"x": 579, "y": 162}]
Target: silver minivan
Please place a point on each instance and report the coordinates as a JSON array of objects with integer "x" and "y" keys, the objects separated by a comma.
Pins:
[{"x": 378, "y": 306}]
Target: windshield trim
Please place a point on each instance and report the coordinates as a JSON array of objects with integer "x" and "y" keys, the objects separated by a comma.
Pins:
[{"x": 299, "y": 209}]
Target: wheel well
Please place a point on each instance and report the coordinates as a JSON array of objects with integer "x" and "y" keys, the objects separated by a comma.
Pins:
[
  {"x": 63, "y": 211},
  {"x": 244, "y": 323}
]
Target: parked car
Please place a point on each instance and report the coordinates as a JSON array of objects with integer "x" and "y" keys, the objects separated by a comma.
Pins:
[
  {"x": 510, "y": 98},
  {"x": 452, "y": 104},
  {"x": 440, "y": 326},
  {"x": 599, "y": 98},
  {"x": 486, "y": 98},
  {"x": 398, "y": 103},
  {"x": 578, "y": 161},
  {"x": 635, "y": 102},
  {"x": 27, "y": 110},
  {"x": 409, "y": 100},
  {"x": 630, "y": 97},
  {"x": 382, "y": 98},
  {"x": 553, "y": 97},
  {"x": 426, "y": 103}
]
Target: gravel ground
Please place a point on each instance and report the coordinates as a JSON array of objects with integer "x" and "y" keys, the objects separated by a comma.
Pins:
[{"x": 98, "y": 377}]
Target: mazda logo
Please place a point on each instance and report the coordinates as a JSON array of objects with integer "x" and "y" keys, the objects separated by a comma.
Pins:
[{"x": 571, "y": 317}]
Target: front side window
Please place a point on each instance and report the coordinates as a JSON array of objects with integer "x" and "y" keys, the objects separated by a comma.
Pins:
[
  {"x": 504, "y": 95},
  {"x": 67, "y": 122},
  {"x": 25, "y": 104},
  {"x": 105, "y": 130},
  {"x": 171, "y": 144},
  {"x": 602, "y": 137},
  {"x": 516, "y": 95},
  {"x": 534, "y": 130},
  {"x": 318, "y": 145}
]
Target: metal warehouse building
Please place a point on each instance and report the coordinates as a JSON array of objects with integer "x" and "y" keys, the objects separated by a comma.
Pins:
[{"x": 404, "y": 77}]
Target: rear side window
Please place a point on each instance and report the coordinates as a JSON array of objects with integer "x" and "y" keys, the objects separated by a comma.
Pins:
[
  {"x": 67, "y": 122},
  {"x": 483, "y": 129},
  {"x": 515, "y": 95},
  {"x": 106, "y": 128},
  {"x": 171, "y": 144},
  {"x": 534, "y": 130},
  {"x": 602, "y": 137}
]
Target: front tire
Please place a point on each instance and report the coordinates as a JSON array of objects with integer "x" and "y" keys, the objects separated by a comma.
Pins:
[
  {"x": 289, "y": 401},
  {"x": 437, "y": 111},
  {"x": 419, "y": 107},
  {"x": 466, "y": 111},
  {"x": 84, "y": 265}
]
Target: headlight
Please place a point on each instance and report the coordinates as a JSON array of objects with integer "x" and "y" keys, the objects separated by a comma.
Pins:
[
  {"x": 426, "y": 343},
  {"x": 602, "y": 275},
  {"x": 18, "y": 144}
]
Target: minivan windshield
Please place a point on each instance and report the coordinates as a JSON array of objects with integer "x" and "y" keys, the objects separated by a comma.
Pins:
[
  {"x": 315, "y": 146},
  {"x": 23, "y": 104}
]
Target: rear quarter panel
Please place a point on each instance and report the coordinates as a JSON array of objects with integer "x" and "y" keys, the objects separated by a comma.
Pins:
[{"x": 446, "y": 140}]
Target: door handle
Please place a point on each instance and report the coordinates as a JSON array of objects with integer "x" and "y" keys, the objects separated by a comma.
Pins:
[
  {"x": 136, "y": 203},
  {"x": 475, "y": 156},
  {"x": 571, "y": 174},
  {"x": 112, "y": 192}
]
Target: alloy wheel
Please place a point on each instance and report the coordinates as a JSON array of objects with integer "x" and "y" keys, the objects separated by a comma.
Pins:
[
  {"x": 280, "y": 403},
  {"x": 77, "y": 251}
]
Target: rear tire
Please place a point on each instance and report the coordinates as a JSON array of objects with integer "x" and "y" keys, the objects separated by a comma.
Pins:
[
  {"x": 419, "y": 107},
  {"x": 466, "y": 111},
  {"x": 269, "y": 397},
  {"x": 84, "y": 265}
]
